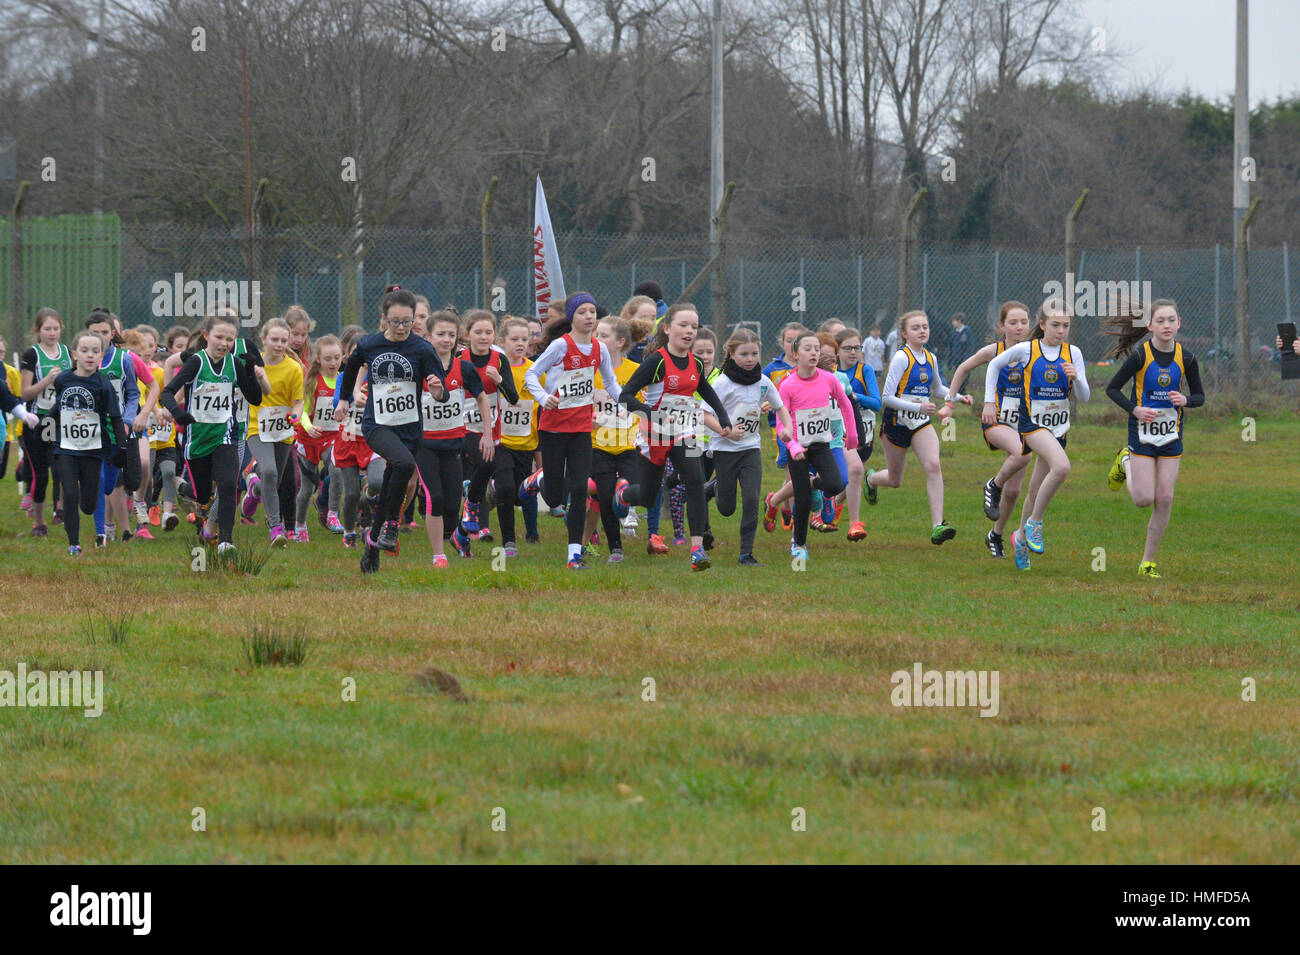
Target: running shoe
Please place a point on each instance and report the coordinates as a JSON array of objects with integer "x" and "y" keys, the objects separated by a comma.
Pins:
[
  {"x": 278, "y": 537},
  {"x": 349, "y": 540},
  {"x": 992, "y": 500},
  {"x": 155, "y": 516},
  {"x": 679, "y": 541},
  {"x": 815, "y": 504},
  {"x": 1020, "y": 549},
  {"x": 484, "y": 535},
  {"x": 170, "y": 521},
  {"x": 828, "y": 516},
  {"x": 225, "y": 548},
  {"x": 631, "y": 522},
  {"x": 532, "y": 539},
  {"x": 656, "y": 545},
  {"x": 1034, "y": 536},
  {"x": 1148, "y": 569},
  {"x": 206, "y": 535},
  {"x": 1118, "y": 470},
  {"x": 142, "y": 532},
  {"x": 615, "y": 556},
  {"x": 870, "y": 489},
  {"x": 468, "y": 512},
  {"x": 700, "y": 560},
  {"x": 591, "y": 489},
  {"x": 531, "y": 487},
  {"x": 386, "y": 539},
  {"x": 577, "y": 563},
  {"x": 942, "y": 532},
  {"x": 110, "y": 529},
  {"x": 799, "y": 553},
  {"x": 560, "y": 512},
  {"x": 439, "y": 561},
  {"x": 58, "y": 515},
  {"x": 126, "y": 536},
  {"x": 707, "y": 539},
  {"x": 993, "y": 540},
  {"x": 590, "y": 550},
  {"x": 769, "y": 513},
  {"x": 40, "y": 530},
  {"x": 509, "y": 549},
  {"x": 787, "y": 517},
  {"x": 101, "y": 541},
  {"x": 747, "y": 560},
  {"x": 301, "y": 536},
  {"x": 323, "y": 510},
  {"x": 333, "y": 523},
  {"x": 620, "y": 509},
  {"x": 74, "y": 550},
  {"x": 460, "y": 542},
  {"x": 26, "y": 503},
  {"x": 857, "y": 531},
  {"x": 248, "y": 507},
  {"x": 816, "y": 523}
]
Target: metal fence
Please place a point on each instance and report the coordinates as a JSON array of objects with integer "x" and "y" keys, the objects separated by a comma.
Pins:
[{"x": 768, "y": 279}]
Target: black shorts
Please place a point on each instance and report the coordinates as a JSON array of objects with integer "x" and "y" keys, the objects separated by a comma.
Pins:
[
  {"x": 625, "y": 464},
  {"x": 985, "y": 433},
  {"x": 895, "y": 433},
  {"x": 1174, "y": 449},
  {"x": 1025, "y": 449}
]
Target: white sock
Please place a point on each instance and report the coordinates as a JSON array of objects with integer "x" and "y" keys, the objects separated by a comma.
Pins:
[{"x": 575, "y": 550}]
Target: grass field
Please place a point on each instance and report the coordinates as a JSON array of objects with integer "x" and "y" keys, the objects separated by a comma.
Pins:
[{"x": 773, "y": 690}]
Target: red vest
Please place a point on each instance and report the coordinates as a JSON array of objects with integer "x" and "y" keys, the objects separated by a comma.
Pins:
[
  {"x": 679, "y": 382},
  {"x": 573, "y": 381},
  {"x": 489, "y": 389},
  {"x": 444, "y": 420}
]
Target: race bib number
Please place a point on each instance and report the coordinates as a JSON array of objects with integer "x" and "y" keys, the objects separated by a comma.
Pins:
[
  {"x": 517, "y": 420},
  {"x": 395, "y": 403},
  {"x": 913, "y": 420},
  {"x": 1009, "y": 412},
  {"x": 159, "y": 432},
  {"x": 444, "y": 415},
  {"x": 1161, "y": 431},
  {"x": 812, "y": 426},
  {"x": 322, "y": 416},
  {"x": 747, "y": 419},
  {"x": 676, "y": 417},
  {"x": 1054, "y": 415},
  {"x": 612, "y": 416},
  {"x": 868, "y": 429},
  {"x": 352, "y": 422},
  {"x": 575, "y": 388},
  {"x": 240, "y": 405},
  {"x": 473, "y": 420},
  {"x": 273, "y": 423},
  {"x": 45, "y": 400},
  {"x": 79, "y": 431},
  {"x": 211, "y": 402},
  {"x": 119, "y": 387}
]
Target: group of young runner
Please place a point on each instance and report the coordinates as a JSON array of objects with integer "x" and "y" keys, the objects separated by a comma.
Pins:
[{"x": 446, "y": 417}]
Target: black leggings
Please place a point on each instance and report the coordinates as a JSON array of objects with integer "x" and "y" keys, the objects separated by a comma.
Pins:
[
  {"x": 441, "y": 477},
  {"x": 607, "y": 468},
  {"x": 38, "y": 453},
  {"x": 509, "y": 468},
  {"x": 220, "y": 469},
  {"x": 79, "y": 477},
  {"x": 566, "y": 468},
  {"x": 828, "y": 481},
  {"x": 479, "y": 472},
  {"x": 743, "y": 468},
  {"x": 688, "y": 464}
]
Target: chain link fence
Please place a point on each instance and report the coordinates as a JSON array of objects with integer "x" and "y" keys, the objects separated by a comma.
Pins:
[{"x": 770, "y": 281}]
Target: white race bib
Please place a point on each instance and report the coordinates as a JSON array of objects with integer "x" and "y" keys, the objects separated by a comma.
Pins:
[
  {"x": 159, "y": 432},
  {"x": 812, "y": 426},
  {"x": 444, "y": 415},
  {"x": 240, "y": 405},
  {"x": 1161, "y": 431},
  {"x": 322, "y": 416},
  {"x": 517, "y": 420},
  {"x": 1052, "y": 414},
  {"x": 868, "y": 429},
  {"x": 119, "y": 387},
  {"x": 575, "y": 388},
  {"x": 395, "y": 403},
  {"x": 79, "y": 431},
  {"x": 211, "y": 402},
  {"x": 352, "y": 422},
  {"x": 45, "y": 400},
  {"x": 474, "y": 421},
  {"x": 674, "y": 418},
  {"x": 273, "y": 423},
  {"x": 1009, "y": 412},
  {"x": 913, "y": 420},
  {"x": 747, "y": 419}
]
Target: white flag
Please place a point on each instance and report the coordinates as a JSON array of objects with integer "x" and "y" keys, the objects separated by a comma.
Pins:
[{"x": 548, "y": 280}]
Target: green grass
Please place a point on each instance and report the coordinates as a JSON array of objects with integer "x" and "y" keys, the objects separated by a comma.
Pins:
[{"x": 773, "y": 690}]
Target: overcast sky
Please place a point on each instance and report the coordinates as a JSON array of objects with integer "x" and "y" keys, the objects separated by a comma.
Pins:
[{"x": 1181, "y": 44}]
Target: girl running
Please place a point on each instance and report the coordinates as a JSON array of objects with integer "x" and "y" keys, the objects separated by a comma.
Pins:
[
  {"x": 776, "y": 370},
  {"x": 911, "y": 386},
  {"x": 446, "y": 434},
  {"x": 39, "y": 366},
  {"x": 213, "y": 431},
  {"x": 1157, "y": 368},
  {"x": 738, "y": 459},
  {"x": 567, "y": 401},
  {"x": 143, "y": 342},
  {"x": 1001, "y": 420},
  {"x": 397, "y": 365},
  {"x": 866, "y": 396},
  {"x": 301, "y": 325},
  {"x": 317, "y": 429},
  {"x": 351, "y": 455},
  {"x": 513, "y": 460},
  {"x": 614, "y": 460},
  {"x": 271, "y": 422},
  {"x": 488, "y": 360},
  {"x": 809, "y": 393},
  {"x": 1053, "y": 370},
  {"x": 671, "y": 376},
  {"x": 90, "y": 433}
]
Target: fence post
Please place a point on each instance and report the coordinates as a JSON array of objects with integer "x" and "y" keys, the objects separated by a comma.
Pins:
[
  {"x": 907, "y": 249},
  {"x": 341, "y": 297},
  {"x": 683, "y": 275},
  {"x": 633, "y": 288},
  {"x": 16, "y": 317},
  {"x": 1243, "y": 298},
  {"x": 742, "y": 293},
  {"x": 925, "y": 280},
  {"x": 859, "y": 290},
  {"x": 1071, "y": 236},
  {"x": 1218, "y": 348},
  {"x": 1286, "y": 280},
  {"x": 488, "y": 198}
]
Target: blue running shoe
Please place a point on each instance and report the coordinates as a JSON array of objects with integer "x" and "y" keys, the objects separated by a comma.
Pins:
[
  {"x": 816, "y": 504},
  {"x": 460, "y": 542},
  {"x": 1034, "y": 536},
  {"x": 1021, "y": 549},
  {"x": 620, "y": 509},
  {"x": 700, "y": 559}
]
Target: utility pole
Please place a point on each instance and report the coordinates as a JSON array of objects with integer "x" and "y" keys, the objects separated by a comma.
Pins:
[
  {"x": 1241, "y": 193},
  {"x": 716, "y": 186},
  {"x": 99, "y": 115}
]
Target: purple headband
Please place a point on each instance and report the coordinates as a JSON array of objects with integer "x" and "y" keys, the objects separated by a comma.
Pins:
[{"x": 571, "y": 306}]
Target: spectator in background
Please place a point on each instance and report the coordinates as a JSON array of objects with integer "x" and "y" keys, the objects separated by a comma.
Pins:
[
  {"x": 554, "y": 312},
  {"x": 653, "y": 291},
  {"x": 959, "y": 348},
  {"x": 873, "y": 351},
  {"x": 891, "y": 344}
]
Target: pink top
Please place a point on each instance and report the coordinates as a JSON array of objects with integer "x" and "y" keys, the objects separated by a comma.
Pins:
[{"x": 817, "y": 392}]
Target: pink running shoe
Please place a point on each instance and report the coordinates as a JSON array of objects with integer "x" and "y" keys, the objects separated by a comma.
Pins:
[
  {"x": 142, "y": 533},
  {"x": 301, "y": 536}
]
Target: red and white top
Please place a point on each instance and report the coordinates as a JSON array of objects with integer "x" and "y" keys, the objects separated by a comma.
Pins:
[{"x": 444, "y": 420}]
